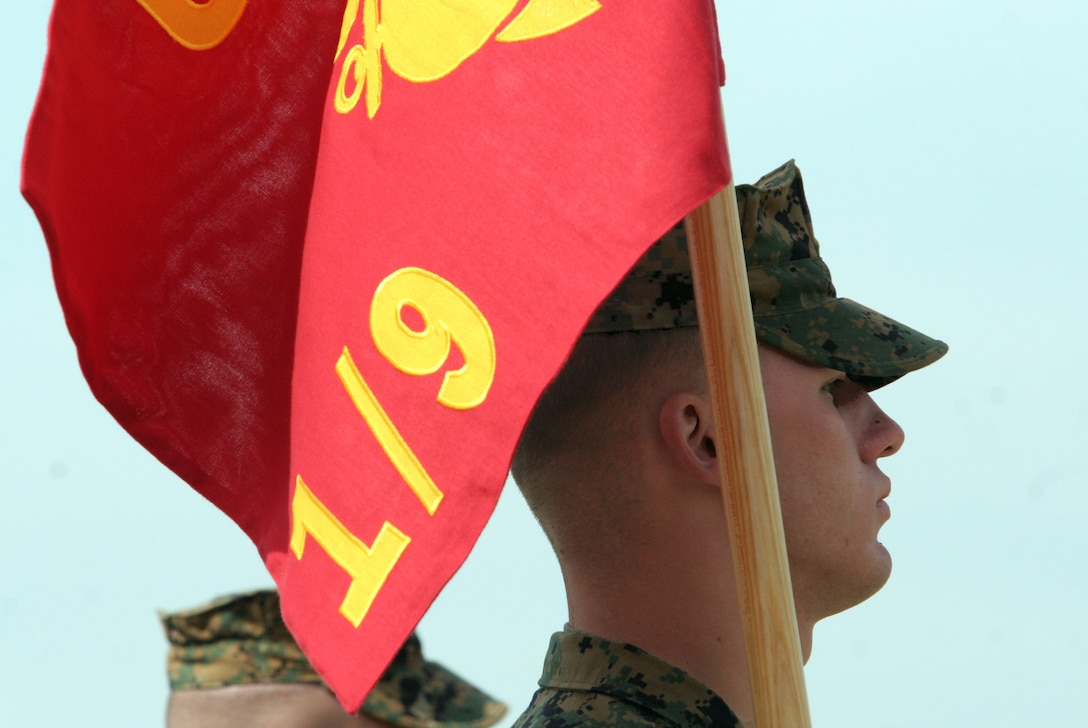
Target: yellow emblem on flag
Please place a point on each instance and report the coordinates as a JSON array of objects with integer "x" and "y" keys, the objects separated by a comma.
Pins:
[{"x": 425, "y": 40}]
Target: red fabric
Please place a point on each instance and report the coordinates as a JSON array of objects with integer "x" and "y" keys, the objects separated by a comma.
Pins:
[{"x": 218, "y": 230}]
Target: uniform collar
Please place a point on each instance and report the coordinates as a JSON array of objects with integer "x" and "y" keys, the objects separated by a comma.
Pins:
[{"x": 581, "y": 661}]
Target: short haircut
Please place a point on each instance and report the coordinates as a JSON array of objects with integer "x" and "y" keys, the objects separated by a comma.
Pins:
[{"x": 579, "y": 424}]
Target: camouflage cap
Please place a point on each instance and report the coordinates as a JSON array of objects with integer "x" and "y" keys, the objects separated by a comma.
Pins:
[
  {"x": 242, "y": 640},
  {"x": 794, "y": 304}
]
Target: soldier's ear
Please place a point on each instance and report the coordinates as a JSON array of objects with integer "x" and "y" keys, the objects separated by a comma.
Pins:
[{"x": 687, "y": 429}]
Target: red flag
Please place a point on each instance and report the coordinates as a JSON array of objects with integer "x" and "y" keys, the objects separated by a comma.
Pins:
[{"x": 321, "y": 260}]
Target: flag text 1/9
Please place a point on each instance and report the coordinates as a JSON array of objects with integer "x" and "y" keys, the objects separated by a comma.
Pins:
[{"x": 449, "y": 317}]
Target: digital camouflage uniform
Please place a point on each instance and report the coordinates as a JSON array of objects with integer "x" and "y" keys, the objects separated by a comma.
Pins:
[
  {"x": 591, "y": 682},
  {"x": 242, "y": 640}
]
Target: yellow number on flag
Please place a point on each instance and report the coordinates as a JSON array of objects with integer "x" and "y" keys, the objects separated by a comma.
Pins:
[
  {"x": 196, "y": 26},
  {"x": 448, "y": 316},
  {"x": 368, "y": 566},
  {"x": 396, "y": 449}
]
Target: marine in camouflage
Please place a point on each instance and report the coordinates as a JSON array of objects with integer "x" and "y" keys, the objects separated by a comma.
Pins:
[
  {"x": 794, "y": 304},
  {"x": 242, "y": 640},
  {"x": 591, "y": 682}
]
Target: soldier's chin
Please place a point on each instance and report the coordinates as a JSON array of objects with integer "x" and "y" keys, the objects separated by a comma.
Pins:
[
  {"x": 882, "y": 571},
  {"x": 885, "y": 572}
]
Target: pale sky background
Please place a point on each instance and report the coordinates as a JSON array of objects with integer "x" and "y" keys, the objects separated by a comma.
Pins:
[{"x": 944, "y": 147}]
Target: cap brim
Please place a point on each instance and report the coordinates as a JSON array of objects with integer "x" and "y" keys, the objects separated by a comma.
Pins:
[{"x": 841, "y": 334}]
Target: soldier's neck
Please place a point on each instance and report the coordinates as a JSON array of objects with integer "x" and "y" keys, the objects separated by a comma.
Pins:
[{"x": 673, "y": 608}]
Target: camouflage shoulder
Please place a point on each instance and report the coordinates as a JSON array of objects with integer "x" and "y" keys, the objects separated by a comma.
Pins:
[{"x": 581, "y": 709}]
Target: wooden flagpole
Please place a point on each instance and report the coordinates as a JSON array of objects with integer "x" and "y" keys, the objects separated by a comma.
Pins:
[{"x": 749, "y": 486}]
